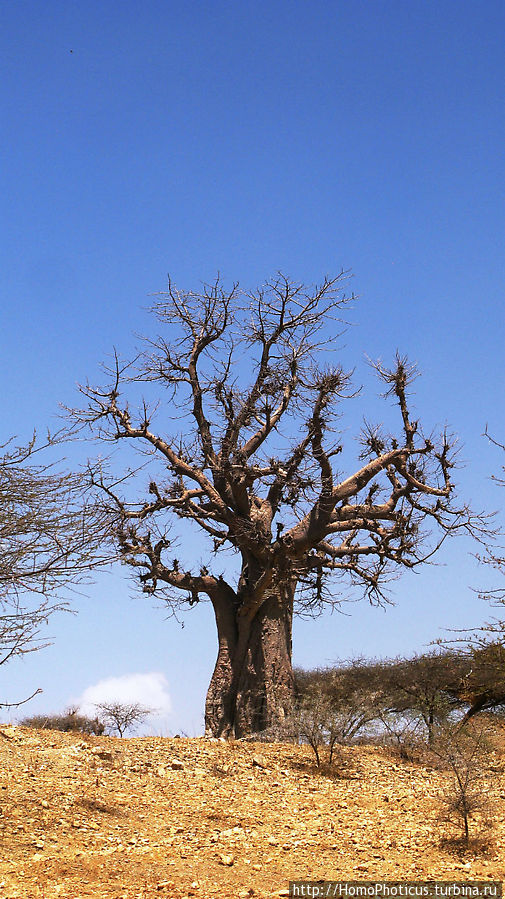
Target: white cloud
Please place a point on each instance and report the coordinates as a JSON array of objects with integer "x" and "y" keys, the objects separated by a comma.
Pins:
[{"x": 150, "y": 690}]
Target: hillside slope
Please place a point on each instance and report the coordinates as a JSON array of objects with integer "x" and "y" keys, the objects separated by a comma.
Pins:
[{"x": 104, "y": 817}]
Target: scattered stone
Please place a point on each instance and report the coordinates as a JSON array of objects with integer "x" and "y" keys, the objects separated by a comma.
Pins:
[
  {"x": 189, "y": 827},
  {"x": 103, "y": 754}
]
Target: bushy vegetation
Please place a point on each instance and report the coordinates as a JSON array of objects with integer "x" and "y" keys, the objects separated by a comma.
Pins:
[
  {"x": 403, "y": 703},
  {"x": 112, "y": 717},
  {"x": 67, "y": 722},
  {"x": 424, "y": 709}
]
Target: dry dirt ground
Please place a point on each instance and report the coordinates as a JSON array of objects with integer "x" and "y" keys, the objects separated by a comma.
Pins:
[{"x": 140, "y": 818}]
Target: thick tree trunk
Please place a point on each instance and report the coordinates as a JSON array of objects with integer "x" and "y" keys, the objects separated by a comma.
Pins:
[{"x": 252, "y": 685}]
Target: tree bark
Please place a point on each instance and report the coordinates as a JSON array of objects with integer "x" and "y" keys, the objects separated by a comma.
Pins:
[{"x": 252, "y": 686}]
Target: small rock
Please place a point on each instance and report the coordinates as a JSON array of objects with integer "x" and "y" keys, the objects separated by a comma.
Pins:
[
  {"x": 227, "y": 860},
  {"x": 177, "y": 765},
  {"x": 165, "y": 884},
  {"x": 257, "y": 762},
  {"x": 160, "y": 771},
  {"x": 102, "y": 754}
]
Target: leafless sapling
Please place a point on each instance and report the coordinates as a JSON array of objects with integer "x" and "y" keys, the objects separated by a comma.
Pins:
[
  {"x": 123, "y": 716},
  {"x": 468, "y": 796}
]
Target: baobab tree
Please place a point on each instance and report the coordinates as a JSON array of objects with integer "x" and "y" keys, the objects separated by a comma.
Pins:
[{"x": 246, "y": 394}]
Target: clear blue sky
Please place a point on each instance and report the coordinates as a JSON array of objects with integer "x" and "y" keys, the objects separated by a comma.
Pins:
[{"x": 155, "y": 137}]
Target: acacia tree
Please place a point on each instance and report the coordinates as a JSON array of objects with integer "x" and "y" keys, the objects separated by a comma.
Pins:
[
  {"x": 49, "y": 538},
  {"x": 355, "y": 691},
  {"x": 483, "y": 686},
  {"x": 123, "y": 716},
  {"x": 253, "y": 467},
  {"x": 428, "y": 686}
]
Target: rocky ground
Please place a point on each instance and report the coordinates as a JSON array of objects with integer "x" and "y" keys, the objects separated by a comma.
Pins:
[{"x": 99, "y": 816}]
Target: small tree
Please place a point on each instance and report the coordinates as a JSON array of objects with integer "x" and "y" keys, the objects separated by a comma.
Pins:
[
  {"x": 123, "y": 716},
  {"x": 465, "y": 752},
  {"x": 314, "y": 721},
  {"x": 402, "y": 732},
  {"x": 353, "y": 692}
]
